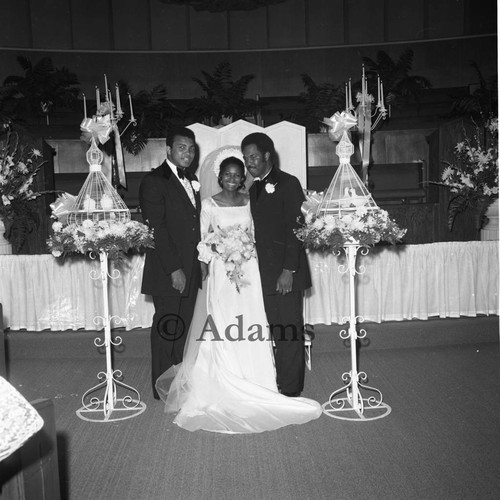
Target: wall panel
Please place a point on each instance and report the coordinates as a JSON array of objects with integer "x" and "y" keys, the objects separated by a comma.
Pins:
[
  {"x": 365, "y": 21},
  {"x": 91, "y": 21},
  {"x": 15, "y": 24},
  {"x": 403, "y": 22},
  {"x": 131, "y": 29},
  {"x": 248, "y": 29},
  {"x": 208, "y": 30},
  {"x": 446, "y": 18},
  {"x": 51, "y": 24},
  {"x": 287, "y": 24},
  {"x": 325, "y": 22},
  {"x": 169, "y": 26}
]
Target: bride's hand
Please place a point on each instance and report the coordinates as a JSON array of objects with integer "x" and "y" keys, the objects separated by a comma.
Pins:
[{"x": 204, "y": 270}]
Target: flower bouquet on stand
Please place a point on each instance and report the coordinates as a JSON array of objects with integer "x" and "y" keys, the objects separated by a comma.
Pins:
[{"x": 473, "y": 177}]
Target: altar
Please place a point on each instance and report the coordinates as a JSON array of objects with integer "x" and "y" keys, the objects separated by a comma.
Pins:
[{"x": 446, "y": 280}]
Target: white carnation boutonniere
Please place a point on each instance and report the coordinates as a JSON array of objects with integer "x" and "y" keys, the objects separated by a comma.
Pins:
[
  {"x": 270, "y": 188},
  {"x": 195, "y": 185}
]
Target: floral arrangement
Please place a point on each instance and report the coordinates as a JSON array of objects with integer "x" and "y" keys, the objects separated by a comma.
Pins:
[
  {"x": 19, "y": 165},
  {"x": 111, "y": 236},
  {"x": 473, "y": 179},
  {"x": 329, "y": 233},
  {"x": 234, "y": 245}
]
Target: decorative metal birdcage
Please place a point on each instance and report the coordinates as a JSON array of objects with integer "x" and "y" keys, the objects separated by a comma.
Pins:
[
  {"x": 346, "y": 192},
  {"x": 98, "y": 199}
]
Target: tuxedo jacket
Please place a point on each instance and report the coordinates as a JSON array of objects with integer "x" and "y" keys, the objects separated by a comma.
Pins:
[
  {"x": 167, "y": 209},
  {"x": 276, "y": 212}
]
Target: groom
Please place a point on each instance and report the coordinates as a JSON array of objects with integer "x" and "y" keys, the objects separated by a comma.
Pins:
[
  {"x": 170, "y": 203},
  {"x": 275, "y": 200}
]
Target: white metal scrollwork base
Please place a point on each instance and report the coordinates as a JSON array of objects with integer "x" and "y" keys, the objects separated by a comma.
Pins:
[
  {"x": 354, "y": 406},
  {"x": 109, "y": 408}
]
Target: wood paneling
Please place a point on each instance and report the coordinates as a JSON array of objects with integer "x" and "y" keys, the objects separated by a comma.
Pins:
[
  {"x": 51, "y": 24},
  {"x": 365, "y": 19},
  {"x": 404, "y": 20},
  {"x": 131, "y": 29},
  {"x": 286, "y": 24},
  {"x": 15, "y": 24},
  {"x": 91, "y": 21},
  {"x": 169, "y": 27},
  {"x": 208, "y": 30},
  {"x": 325, "y": 22},
  {"x": 248, "y": 29}
]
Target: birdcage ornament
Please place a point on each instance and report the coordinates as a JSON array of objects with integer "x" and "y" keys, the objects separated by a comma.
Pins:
[
  {"x": 346, "y": 192},
  {"x": 97, "y": 200}
]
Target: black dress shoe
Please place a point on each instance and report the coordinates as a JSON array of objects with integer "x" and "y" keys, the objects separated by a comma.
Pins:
[{"x": 291, "y": 394}]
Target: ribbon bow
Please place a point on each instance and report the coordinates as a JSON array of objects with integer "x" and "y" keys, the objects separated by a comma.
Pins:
[{"x": 339, "y": 123}]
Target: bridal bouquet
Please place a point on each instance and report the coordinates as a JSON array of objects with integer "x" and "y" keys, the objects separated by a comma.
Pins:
[
  {"x": 234, "y": 245},
  {"x": 366, "y": 227}
]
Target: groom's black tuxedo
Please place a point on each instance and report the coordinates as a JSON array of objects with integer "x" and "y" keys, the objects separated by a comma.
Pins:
[
  {"x": 276, "y": 211},
  {"x": 175, "y": 221}
]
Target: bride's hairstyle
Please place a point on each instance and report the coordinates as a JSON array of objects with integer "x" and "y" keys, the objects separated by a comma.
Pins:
[{"x": 232, "y": 160}]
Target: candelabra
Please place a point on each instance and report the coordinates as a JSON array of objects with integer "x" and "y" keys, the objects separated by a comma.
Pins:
[{"x": 368, "y": 116}]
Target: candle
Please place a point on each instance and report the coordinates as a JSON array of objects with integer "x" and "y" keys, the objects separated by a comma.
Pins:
[
  {"x": 110, "y": 101},
  {"x": 378, "y": 90},
  {"x": 346, "y": 99},
  {"x": 84, "y": 106},
  {"x": 350, "y": 95},
  {"x": 106, "y": 86},
  {"x": 131, "y": 110},
  {"x": 382, "y": 96},
  {"x": 97, "y": 97},
  {"x": 118, "y": 103}
]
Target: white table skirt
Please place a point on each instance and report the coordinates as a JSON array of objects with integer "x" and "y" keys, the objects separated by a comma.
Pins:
[{"x": 450, "y": 279}]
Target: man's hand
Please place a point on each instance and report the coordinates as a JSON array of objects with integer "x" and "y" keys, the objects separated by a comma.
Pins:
[
  {"x": 285, "y": 282},
  {"x": 204, "y": 270},
  {"x": 179, "y": 280}
]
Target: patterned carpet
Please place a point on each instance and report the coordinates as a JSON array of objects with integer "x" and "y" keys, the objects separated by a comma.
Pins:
[{"x": 441, "y": 441}]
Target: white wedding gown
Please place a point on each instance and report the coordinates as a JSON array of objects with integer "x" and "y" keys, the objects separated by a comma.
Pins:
[{"x": 226, "y": 385}]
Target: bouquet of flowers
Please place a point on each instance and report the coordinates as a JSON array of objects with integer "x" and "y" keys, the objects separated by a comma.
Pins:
[
  {"x": 111, "y": 236},
  {"x": 234, "y": 245},
  {"x": 473, "y": 179},
  {"x": 362, "y": 226},
  {"x": 18, "y": 168}
]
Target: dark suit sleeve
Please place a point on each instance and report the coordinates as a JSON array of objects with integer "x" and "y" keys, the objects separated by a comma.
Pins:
[
  {"x": 151, "y": 199},
  {"x": 293, "y": 199}
]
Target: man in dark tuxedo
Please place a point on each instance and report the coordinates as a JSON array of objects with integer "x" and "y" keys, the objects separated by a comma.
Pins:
[
  {"x": 276, "y": 199},
  {"x": 170, "y": 202}
]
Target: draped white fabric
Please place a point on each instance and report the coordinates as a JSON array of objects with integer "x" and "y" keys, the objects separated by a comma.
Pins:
[{"x": 449, "y": 279}]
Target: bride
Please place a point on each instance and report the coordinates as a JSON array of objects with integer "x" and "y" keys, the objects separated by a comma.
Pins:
[{"x": 227, "y": 380}]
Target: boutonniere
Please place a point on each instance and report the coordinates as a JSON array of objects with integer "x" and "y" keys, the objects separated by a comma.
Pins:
[
  {"x": 195, "y": 185},
  {"x": 270, "y": 188}
]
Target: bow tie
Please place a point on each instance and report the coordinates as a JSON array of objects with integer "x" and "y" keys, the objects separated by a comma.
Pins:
[{"x": 181, "y": 174}]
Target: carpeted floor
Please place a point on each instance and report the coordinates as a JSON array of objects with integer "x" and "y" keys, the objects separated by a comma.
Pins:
[{"x": 441, "y": 440}]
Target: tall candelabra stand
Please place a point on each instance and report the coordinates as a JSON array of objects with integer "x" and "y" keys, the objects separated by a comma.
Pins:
[
  {"x": 108, "y": 407},
  {"x": 368, "y": 115},
  {"x": 354, "y": 406}
]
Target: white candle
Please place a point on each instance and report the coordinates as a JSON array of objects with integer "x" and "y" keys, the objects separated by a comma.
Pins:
[
  {"x": 381, "y": 95},
  {"x": 84, "y": 106},
  {"x": 131, "y": 110},
  {"x": 106, "y": 86},
  {"x": 350, "y": 95},
  {"x": 97, "y": 97},
  {"x": 118, "y": 103},
  {"x": 363, "y": 84},
  {"x": 346, "y": 99},
  {"x": 378, "y": 90}
]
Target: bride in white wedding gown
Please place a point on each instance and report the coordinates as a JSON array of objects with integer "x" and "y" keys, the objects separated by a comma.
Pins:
[{"x": 227, "y": 380}]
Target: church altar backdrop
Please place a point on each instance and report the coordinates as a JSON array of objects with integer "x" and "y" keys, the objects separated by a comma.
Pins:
[{"x": 407, "y": 282}]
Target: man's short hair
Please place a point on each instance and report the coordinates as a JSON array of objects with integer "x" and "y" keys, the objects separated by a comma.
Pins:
[
  {"x": 263, "y": 142},
  {"x": 174, "y": 132}
]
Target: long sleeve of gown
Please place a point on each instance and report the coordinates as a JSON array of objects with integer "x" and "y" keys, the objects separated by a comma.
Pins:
[{"x": 205, "y": 253}]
